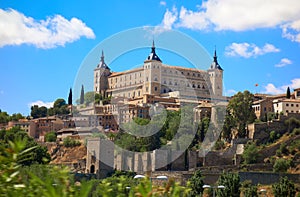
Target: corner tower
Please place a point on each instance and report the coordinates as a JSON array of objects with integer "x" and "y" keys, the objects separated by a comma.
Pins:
[
  {"x": 152, "y": 73},
  {"x": 101, "y": 73},
  {"x": 216, "y": 77}
]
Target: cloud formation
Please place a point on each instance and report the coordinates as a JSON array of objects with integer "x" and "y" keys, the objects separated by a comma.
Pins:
[
  {"x": 41, "y": 103},
  {"x": 248, "y": 50},
  {"x": 17, "y": 29},
  {"x": 272, "y": 89},
  {"x": 236, "y": 15},
  {"x": 162, "y": 3},
  {"x": 283, "y": 62}
]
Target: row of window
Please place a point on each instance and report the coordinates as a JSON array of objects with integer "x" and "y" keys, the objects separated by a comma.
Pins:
[{"x": 292, "y": 105}]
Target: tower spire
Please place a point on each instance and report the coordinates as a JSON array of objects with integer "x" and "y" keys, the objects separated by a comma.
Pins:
[
  {"x": 102, "y": 63},
  {"x": 152, "y": 55},
  {"x": 215, "y": 64}
]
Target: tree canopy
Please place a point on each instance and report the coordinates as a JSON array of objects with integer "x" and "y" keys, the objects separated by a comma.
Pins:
[{"x": 241, "y": 112}]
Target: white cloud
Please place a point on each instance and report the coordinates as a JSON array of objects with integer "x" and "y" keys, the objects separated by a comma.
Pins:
[
  {"x": 237, "y": 15},
  {"x": 283, "y": 62},
  {"x": 162, "y": 3},
  {"x": 167, "y": 23},
  {"x": 55, "y": 31},
  {"x": 247, "y": 50},
  {"x": 230, "y": 92},
  {"x": 291, "y": 31},
  {"x": 272, "y": 89},
  {"x": 41, "y": 103},
  {"x": 192, "y": 20}
]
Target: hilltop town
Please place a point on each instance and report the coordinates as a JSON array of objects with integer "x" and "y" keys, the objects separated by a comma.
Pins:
[{"x": 193, "y": 126}]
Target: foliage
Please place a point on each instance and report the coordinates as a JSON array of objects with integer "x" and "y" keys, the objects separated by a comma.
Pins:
[
  {"x": 281, "y": 165},
  {"x": 250, "y": 191},
  {"x": 50, "y": 136},
  {"x": 250, "y": 153},
  {"x": 284, "y": 188},
  {"x": 60, "y": 107},
  {"x": 4, "y": 117},
  {"x": 81, "y": 100},
  {"x": 288, "y": 93},
  {"x": 196, "y": 183},
  {"x": 229, "y": 124},
  {"x": 231, "y": 183},
  {"x": 292, "y": 123},
  {"x": 38, "y": 155},
  {"x": 274, "y": 136},
  {"x": 38, "y": 112},
  {"x": 36, "y": 180},
  {"x": 69, "y": 142},
  {"x": 271, "y": 116},
  {"x": 241, "y": 110},
  {"x": 70, "y": 99}
]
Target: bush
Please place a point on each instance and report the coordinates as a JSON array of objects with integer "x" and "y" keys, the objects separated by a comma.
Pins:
[
  {"x": 284, "y": 188},
  {"x": 232, "y": 185},
  {"x": 251, "y": 191},
  {"x": 50, "y": 137},
  {"x": 196, "y": 184},
  {"x": 250, "y": 153},
  {"x": 68, "y": 142},
  {"x": 281, "y": 165}
]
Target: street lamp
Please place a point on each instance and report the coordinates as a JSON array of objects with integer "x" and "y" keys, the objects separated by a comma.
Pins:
[{"x": 214, "y": 187}]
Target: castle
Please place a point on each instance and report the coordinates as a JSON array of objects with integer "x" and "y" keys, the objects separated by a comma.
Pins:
[
  {"x": 158, "y": 79},
  {"x": 134, "y": 91}
]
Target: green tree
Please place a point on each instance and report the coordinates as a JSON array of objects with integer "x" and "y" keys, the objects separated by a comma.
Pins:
[
  {"x": 89, "y": 97},
  {"x": 285, "y": 187},
  {"x": 281, "y": 165},
  {"x": 229, "y": 124},
  {"x": 195, "y": 183},
  {"x": 38, "y": 155},
  {"x": 38, "y": 112},
  {"x": 4, "y": 117},
  {"x": 251, "y": 191},
  {"x": 81, "y": 100},
  {"x": 50, "y": 136},
  {"x": 240, "y": 106},
  {"x": 16, "y": 117},
  {"x": 70, "y": 99},
  {"x": 288, "y": 93},
  {"x": 232, "y": 185},
  {"x": 250, "y": 153}
]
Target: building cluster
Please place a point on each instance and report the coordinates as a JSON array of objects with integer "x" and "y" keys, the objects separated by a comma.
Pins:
[
  {"x": 276, "y": 104},
  {"x": 37, "y": 128},
  {"x": 134, "y": 93}
]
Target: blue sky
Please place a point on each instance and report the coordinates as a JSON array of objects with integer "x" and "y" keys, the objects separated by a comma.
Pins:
[{"x": 43, "y": 43}]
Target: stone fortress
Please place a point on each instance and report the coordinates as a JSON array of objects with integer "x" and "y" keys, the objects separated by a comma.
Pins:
[{"x": 133, "y": 93}]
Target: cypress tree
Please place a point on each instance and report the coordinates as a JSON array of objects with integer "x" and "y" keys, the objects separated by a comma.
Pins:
[
  {"x": 70, "y": 97},
  {"x": 82, "y": 95},
  {"x": 288, "y": 93}
]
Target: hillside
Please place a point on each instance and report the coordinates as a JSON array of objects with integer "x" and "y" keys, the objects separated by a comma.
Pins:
[{"x": 74, "y": 157}]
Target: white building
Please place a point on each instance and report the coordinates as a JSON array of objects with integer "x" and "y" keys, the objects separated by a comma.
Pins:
[{"x": 286, "y": 106}]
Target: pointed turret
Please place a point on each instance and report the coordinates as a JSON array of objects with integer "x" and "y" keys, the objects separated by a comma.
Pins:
[
  {"x": 215, "y": 64},
  {"x": 152, "y": 55},
  {"x": 102, "y": 63}
]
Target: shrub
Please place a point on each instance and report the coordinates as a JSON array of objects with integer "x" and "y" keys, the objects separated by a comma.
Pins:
[
  {"x": 281, "y": 165},
  {"x": 232, "y": 185},
  {"x": 284, "y": 188},
  {"x": 50, "y": 137},
  {"x": 250, "y": 153},
  {"x": 251, "y": 191},
  {"x": 196, "y": 184},
  {"x": 68, "y": 142}
]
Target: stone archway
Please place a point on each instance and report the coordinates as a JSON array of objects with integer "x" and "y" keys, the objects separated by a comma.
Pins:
[{"x": 92, "y": 169}]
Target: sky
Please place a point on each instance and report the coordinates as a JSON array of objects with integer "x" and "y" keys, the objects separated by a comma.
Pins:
[{"x": 43, "y": 43}]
